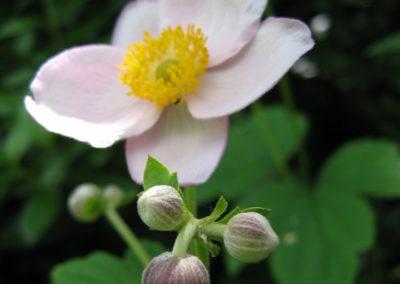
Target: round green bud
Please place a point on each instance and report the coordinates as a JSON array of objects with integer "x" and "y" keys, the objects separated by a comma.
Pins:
[
  {"x": 161, "y": 208},
  {"x": 113, "y": 196},
  {"x": 85, "y": 202},
  {"x": 166, "y": 268},
  {"x": 249, "y": 237}
]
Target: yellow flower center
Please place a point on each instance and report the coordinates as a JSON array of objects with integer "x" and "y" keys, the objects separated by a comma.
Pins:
[{"x": 165, "y": 69}]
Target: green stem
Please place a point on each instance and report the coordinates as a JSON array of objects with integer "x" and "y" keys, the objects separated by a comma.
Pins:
[
  {"x": 214, "y": 230},
  {"x": 287, "y": 95},
  {"x": 195, "y": 246},
  {"x": 127, "y": 235},
  {"x": 184, "y": 238},
  {"x": 269, "y": 140}
]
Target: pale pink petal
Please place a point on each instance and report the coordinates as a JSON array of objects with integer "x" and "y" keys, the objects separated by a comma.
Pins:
[
  {"x": 78, "y": 94},
  {"x": 137, "y": 17},
  {"x": 229, "y": 25},
  {"x": 191, "y": 147},
  {"x": 238, "y": 82}
]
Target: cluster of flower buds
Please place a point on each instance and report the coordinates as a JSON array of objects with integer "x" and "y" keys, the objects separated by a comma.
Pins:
[
  {"x": 87, "y": 201},
  {"x": 247, "y": 236}
]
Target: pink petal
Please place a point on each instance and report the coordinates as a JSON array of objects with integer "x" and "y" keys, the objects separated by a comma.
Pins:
[
  {"x": 135, "y": 18},
  {"x": 191, "y": 147},
  {"x": 234, "y": 85},
  {"x": 78, "y": 94},
  {"x": 228, "y": 25}
]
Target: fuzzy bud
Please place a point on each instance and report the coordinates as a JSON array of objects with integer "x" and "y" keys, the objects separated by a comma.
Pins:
[
  {"x": 85, "y": 202},
  {"x": 161, "y": 208},
  {"x": 249, "y": 237},
  {"x": 113, "y": 196},
  {"x": 166, "y": 268}
]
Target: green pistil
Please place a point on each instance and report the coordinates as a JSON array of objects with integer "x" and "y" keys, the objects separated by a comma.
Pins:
[{"x": 162, "y": 69}]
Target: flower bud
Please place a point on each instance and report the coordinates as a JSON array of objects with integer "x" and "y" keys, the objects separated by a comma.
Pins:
[
  {"x": 85, "y": 202},
  {"x": 166, "y": 268},
  {"x": 161, "y": 208},
  {"x": 113, "y": 196},
  {"x": 249, "y": 237}
]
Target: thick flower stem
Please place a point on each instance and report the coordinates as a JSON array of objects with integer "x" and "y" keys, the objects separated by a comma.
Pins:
[
  {"x": 127, "y": 235},
  {"x": 287, "y": 96},
  {"x": 184, "y": 238},
  {"x": 270, "y": 142},
  {"x": 195, "y": 246}
]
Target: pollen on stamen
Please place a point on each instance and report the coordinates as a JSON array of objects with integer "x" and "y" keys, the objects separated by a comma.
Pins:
[{"x": 164, "y": 70}]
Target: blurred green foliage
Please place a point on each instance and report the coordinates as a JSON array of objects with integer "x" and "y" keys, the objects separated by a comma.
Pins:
[{"x": 342, "y": 227}]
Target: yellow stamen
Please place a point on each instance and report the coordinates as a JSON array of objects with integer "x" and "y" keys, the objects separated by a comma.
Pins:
[{"x": 165, "y": 69}]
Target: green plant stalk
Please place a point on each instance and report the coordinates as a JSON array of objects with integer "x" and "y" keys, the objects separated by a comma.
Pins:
[
  {"x": 287, "y": 95},
  {"x": 184, "y": 238},
  {"x": 214, "y": 230},
  {"x": 195, "y": 247},
  {"x": 272, "y": 146},
  {"x": 127, "y": 235}
]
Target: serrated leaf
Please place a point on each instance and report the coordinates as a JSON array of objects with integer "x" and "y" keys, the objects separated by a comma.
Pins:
[
  {"x": 235, "y": 179},
  {"x": 318, "y": 236},
  {"x": 157, "y": 174},
  {"x": 367, "y": 166},
  {"x": 39, "y": 212},
  {"x": 219, "y": 209}
]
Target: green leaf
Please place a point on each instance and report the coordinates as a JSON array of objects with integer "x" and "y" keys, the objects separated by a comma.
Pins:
[
  {"x": 97, "y": 268},
  {"x": 386, "y": 45},
  {"x": 321, "y": 233},
  {"x": 235, "y": 179},
  {"x": 104, "y": 268},
  {"x": 157, "y": 174},
  {"x": 367, "y": 166},
  {"x": 24, "y": 132},
  {"x": 219, "y": 209},
  {"x": 39, "y": 212}
]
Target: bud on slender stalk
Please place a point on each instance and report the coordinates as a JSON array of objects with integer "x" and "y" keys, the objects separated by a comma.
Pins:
[
  {"x": 249, "y": 237},
  {"x": 85, "y": 202},
  {"x": 161, "y": 208},
  {"x": 167, "y": 269}
]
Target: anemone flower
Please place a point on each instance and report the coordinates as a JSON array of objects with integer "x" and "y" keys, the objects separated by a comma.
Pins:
[{"x": 174, "y": 72}]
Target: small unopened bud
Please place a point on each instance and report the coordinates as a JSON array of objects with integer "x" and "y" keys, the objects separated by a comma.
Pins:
[
  {"x": 249, "y": 237},
  {"x": 161, "y": 208},
  {"x": 113, "y": 196},
  {"x": 166, "y": 269},
  {"x": 85, "y": 202}
]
